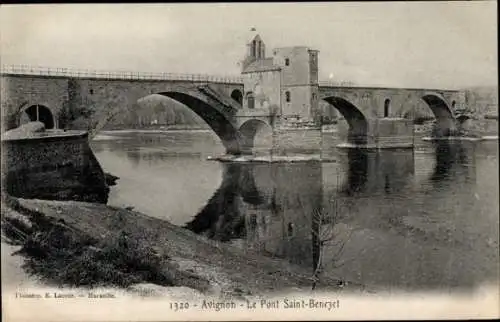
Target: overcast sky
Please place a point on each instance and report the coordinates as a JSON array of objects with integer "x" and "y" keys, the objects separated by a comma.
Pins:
[{"x": 407, "y": 44}]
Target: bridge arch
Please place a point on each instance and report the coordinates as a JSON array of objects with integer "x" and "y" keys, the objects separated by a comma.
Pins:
[
  {"x": 36, "y": 112},
  {"x": 445, "y": 121},
  {"x": 248, "y": 132},
  {"x": 358, "y": 124},
  {"x": 438, "y": 105},
  {"x": 214, "y": 117}
]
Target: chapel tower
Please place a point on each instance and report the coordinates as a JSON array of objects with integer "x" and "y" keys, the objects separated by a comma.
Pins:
[{"x": 256, "y": 50}]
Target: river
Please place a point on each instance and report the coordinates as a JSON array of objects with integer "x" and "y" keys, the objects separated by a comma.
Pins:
[{"x": 423, "y": 219}]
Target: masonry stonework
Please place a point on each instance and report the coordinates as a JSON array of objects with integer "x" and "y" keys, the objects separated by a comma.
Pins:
[{"x": 61, "y": 167}]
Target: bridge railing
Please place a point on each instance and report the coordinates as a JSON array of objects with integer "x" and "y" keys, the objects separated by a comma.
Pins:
[
  {"x": 336, "y": 84},
  {"x": 85, "y": 73}
]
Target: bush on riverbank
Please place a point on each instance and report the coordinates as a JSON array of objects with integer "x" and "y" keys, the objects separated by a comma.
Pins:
[
  {"x": 66, "y": 257},
  {"x": 59, "y": 256}
]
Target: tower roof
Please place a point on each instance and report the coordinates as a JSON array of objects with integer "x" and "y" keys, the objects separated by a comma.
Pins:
[
  {"x": 257, "y": 37},
  {"x": 253, "y": 35}
]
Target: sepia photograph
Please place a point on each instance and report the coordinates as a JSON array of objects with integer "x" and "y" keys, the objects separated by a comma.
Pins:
[{"x": 249, "y": 161}]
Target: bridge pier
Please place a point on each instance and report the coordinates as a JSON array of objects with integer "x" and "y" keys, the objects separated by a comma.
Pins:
[
  {"x": 282, "y": 140},
  {"x": 382, "y": 133},
  {"x": 445, "y": 127},
  {"x": 296, "y": 140},
  {"x": 392, "y": 133}
]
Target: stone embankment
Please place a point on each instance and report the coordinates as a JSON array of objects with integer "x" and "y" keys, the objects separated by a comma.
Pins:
[{"x": 53, "y": 164}]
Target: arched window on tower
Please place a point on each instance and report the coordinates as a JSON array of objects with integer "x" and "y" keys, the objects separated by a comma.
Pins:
[
  {"x": 262, "y": 50},
  {"x": 387, "y": 106},
  {"x": 287, "y": 97},
  {"x": 287, "y": 61},
  {"x": 250, "y": 100}
]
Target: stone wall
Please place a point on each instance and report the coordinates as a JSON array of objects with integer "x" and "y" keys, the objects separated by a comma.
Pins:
[
  {"x": 394, "y": 133},
  {"x": 329, "y": 142},
  {"x": 490, "y": 127},
  {"x": 300, "y": 102},
  {"x": 18, "y": 92},
  {"x": 297, "y": 73},
  {"x": 265, "y": 87},
  {"x": 300, "y": 140},
  {"x": 99, "y": 95},
  {"x": 58, "y": 166},
  {"x": 296, "y": 80}
]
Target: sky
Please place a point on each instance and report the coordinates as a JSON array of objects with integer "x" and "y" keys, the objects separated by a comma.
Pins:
[{"x": 400, "y": 44}]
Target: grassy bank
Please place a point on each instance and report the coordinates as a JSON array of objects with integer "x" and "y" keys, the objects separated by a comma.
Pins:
[
  {"x": 70, "y": 243},
  {"x": 65, "y": 256}
]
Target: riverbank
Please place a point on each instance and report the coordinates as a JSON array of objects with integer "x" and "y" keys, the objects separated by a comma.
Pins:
[{"x": 86, "y": 244}]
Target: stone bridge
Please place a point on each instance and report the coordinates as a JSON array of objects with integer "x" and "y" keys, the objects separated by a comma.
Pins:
[
  {"x": 375, "y": 116},
  {"x": 44, "y": 93}
]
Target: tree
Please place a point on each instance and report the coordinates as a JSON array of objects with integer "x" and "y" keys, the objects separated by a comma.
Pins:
[{"x": 325, "y": 239}]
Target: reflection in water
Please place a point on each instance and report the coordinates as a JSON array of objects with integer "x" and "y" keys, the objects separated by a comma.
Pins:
[
  {"x": 374, "y": 172},
  {"x": 280, "y": 209},
  {"x": 450, "y": 156},
  {"x": 220, "y": 219},
  {"x": 287, "y": 211},
  {"x": 164, "y": 175},
  {"x": 357, "y": 172},
  {"x": 274, "y": 203},
  {"x": 403, "y": 219}
]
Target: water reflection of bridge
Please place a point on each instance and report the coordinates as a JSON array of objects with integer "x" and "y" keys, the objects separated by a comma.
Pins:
[{"x": 274, "y": 208}]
